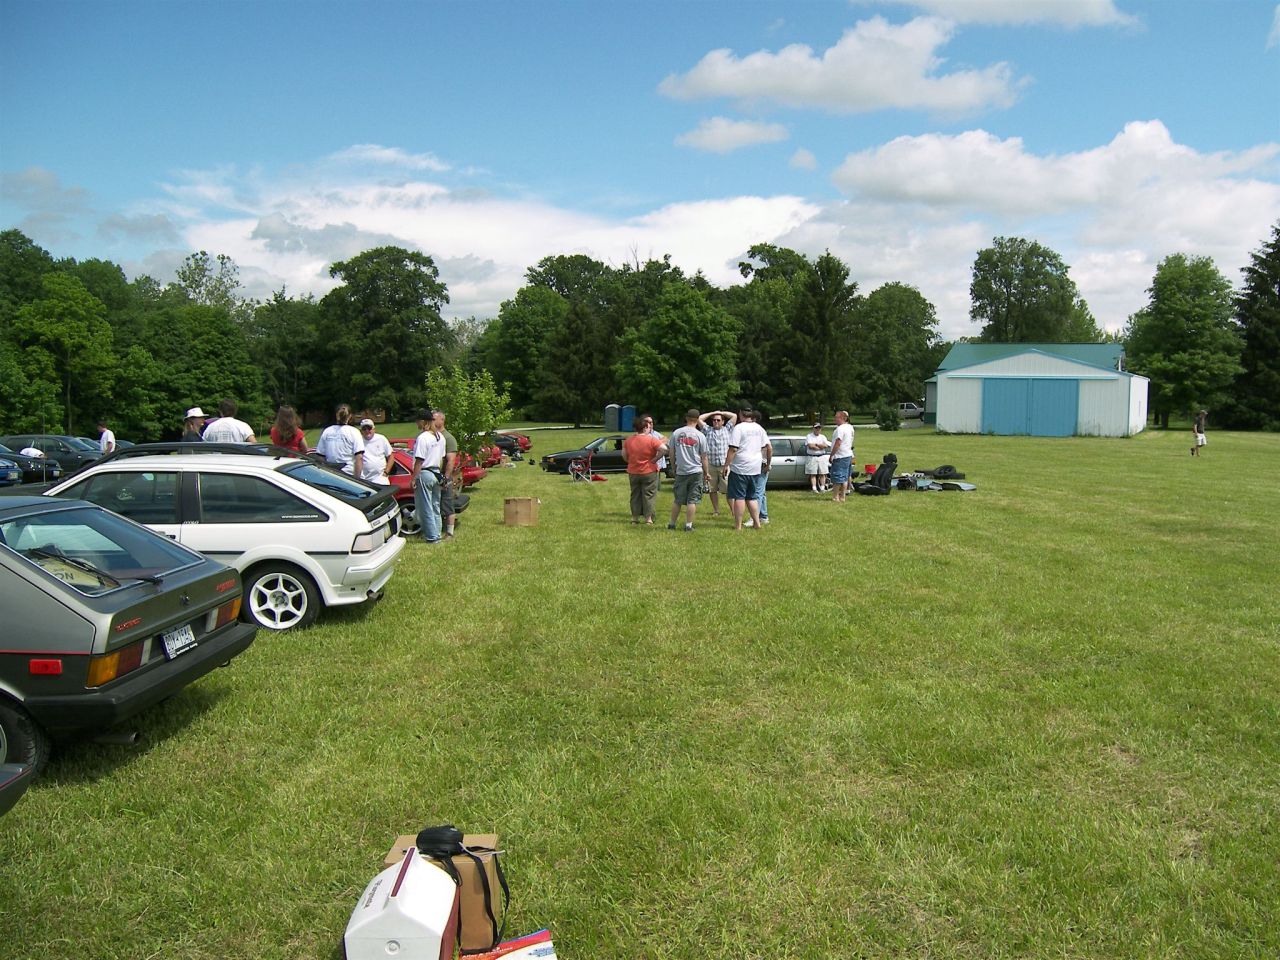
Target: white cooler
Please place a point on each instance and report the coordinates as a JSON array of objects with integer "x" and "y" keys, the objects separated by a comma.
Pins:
[{"x": 409, "y": 912}]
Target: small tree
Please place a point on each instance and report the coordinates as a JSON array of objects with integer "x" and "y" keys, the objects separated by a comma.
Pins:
[{"x": 473, "y": 404}]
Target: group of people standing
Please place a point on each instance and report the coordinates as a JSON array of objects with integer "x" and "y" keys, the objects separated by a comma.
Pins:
[
  {"x": 436, "y": 476},
  {"x": 725, "y": 451}
]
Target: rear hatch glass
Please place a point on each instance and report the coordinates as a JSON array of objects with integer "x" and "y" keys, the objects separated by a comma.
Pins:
[
  {"x": 93, "y": 551},
  {"x": 373, "y": 502}
]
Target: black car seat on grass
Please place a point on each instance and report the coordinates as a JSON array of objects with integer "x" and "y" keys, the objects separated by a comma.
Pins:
[{"x": 881, "y": 482}]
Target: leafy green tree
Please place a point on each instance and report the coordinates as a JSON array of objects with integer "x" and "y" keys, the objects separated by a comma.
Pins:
[
  {"x": 683, "y": 354},
  {"x": 213, "y": 282},
  {"x": 67, "y": 341},
  {"x": 566, "y": 377},
  {"x": 1184, "y": 339},
  {"x": 283, "y": 337},
  {"x": 473, "y": 405},
  {"x": 31, "y": 397},
  {"x": 382, "y": 327},
  {"x": 763, "y": 308},
  {"x": 824, "y": 327},
  {"x": 1255, "y": 401},
  {"x": 893, "y": 351},
  {"x": 1022, "y": 293},
  {"x": 523, "y": 326},
  {"x": 23, "y": 266}
]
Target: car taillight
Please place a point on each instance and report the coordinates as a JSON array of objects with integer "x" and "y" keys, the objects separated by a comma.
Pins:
[
  {"x": 224, "y": 614},
  {"x": 363, "y": 543},
  {"x": 109, "y": 666}
]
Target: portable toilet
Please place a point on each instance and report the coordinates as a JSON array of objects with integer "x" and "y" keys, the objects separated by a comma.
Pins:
[
  {"x": 410, "y": 909},
  {"x": 611, "y": 418},
  {"x": 628, "y": 418}
]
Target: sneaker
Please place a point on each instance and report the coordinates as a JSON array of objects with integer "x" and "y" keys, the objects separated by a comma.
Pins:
[
  {"x": 749, "y": 523},
  {"x": 688, "y": 528},
  {"x": 671, "y": 526},
  {"x": 763, "y": 521}
]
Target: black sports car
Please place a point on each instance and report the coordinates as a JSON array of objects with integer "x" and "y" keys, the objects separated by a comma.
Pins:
[
  {"x": 605, "y": 452},
  {"x": 34, "y": 469}
]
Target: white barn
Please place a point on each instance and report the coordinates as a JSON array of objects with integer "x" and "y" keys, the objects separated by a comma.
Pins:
[{"x": 1037, "y": 389}]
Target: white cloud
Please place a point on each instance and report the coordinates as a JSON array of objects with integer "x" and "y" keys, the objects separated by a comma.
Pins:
[
  {"x": 1273, "y": 38},
  {"x": 875, "y": 65},
  {"x": 372, "y": 153},
  {"x": 1113, "y": 212},
  {"x": 722, "y": 135},
  {"x": 803, "y": 159},
  {"x": 1070, "y": 13}
]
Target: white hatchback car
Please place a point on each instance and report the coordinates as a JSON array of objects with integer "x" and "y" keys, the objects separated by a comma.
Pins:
[{"x": 301, "y": 535}]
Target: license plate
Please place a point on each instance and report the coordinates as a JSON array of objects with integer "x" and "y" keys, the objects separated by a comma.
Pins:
[{"x": 178, "y": 641}]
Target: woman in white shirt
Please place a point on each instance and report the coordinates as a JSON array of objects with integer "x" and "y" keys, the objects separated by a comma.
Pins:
[
  {"x": 816, "y": 468},
  {"x": 341, "y": 444},
  {"x": 377, "y": 455}
]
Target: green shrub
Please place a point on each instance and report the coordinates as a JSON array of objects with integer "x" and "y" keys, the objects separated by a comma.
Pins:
[{"x": 887, "y": 418}]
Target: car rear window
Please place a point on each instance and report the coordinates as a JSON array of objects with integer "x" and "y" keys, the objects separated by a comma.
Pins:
[
  {"x": 330, "y": 481},
  {"x": 91, "y": 550}
]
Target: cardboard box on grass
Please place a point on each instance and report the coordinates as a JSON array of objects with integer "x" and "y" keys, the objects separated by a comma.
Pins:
[
  {"x": 520, "y": 511},
  {"x": 476, "y": 932}
]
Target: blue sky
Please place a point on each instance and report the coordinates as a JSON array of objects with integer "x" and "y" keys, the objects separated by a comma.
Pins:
[{"x": 902, "y": 136}]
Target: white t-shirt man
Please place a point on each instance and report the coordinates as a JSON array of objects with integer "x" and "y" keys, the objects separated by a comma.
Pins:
[
  {"x": 227, "y": 430},
  {"x": 106, "y": 440},
  {"x": 429, "y": 448},
  {"x": 377, "y": 451},
  {"x": 338, "y": 444},
  {"x": 843, "y": 434},
  {"x": 750, "y": 439}
]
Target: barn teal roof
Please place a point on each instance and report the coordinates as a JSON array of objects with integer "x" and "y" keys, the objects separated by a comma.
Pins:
[{"x": 1105, "y": 355}]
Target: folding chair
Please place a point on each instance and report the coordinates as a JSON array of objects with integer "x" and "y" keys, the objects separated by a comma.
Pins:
[{"x": 580, "y": 469}]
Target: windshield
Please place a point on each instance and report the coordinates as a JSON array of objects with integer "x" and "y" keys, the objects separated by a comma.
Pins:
[
  {"x": 330, "y": 481},
  {"x": 4, "y": 449},
  {"x": 93, "y": 550},
  {"x": 82, "y": 443}
]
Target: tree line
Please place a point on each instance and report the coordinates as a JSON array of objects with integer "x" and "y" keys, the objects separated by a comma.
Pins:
[{"x": 78, "y": 340}]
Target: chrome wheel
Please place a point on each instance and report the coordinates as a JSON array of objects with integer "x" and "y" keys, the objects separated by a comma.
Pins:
[{"x": 409, "y": 525}]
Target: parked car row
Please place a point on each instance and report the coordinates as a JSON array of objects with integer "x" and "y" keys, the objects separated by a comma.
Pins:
[{"x": 152, "y": 565}]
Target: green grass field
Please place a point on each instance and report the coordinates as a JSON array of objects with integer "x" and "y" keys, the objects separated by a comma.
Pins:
[{"x": 1035, "y": 720}]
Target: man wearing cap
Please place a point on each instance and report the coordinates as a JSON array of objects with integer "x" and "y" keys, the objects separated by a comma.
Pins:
[
  {"x": 428, "y": 459},
  {"x": 226, "y": 428},
  {"x": 192, "y": 424},
  {"x": 377, "y": 455},
  {"x": 715, "y": 427},
  {"x": 747, "y": 461},
  {"x": 817, "y": 448},
  {"x": 689, "y": 451},
  {"x": 841, "y": 456}
]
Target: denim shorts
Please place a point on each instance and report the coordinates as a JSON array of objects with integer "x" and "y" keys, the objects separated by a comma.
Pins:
[
  {"x": 840, "y": 467},
  {"x": 743, "y": 487}
]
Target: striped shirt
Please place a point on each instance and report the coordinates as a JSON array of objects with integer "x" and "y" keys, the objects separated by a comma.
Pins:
[{"x": 717, "y": 444}]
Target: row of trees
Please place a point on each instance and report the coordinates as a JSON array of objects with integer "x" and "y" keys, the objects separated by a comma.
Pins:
[{"x": 79, "y": 340}]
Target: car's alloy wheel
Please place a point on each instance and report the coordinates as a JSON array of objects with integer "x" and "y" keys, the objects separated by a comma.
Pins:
[
  {"x": 409, "y": 525},
  {"x": 281, "y": 597},
  {"x": 22, "y": 740}
]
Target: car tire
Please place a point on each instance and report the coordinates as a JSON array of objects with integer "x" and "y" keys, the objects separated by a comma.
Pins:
[
  {"x": 409, "y": 525},
  {"x": 279, "y": 596},
  {"x": 22, "y": 740}
]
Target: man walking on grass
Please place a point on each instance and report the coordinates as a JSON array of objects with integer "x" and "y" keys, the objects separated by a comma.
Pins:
[
  {"x": 689, "y": 451},
  {"x": 841, "y": 456},
  {"x": 747, "y": 462}
]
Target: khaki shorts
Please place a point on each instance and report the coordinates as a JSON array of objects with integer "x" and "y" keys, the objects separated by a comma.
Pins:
[{"x": 717, "y": 478}]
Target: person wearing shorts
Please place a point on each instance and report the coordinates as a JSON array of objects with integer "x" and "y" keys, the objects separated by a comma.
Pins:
[
  {"x": 688, "y": 448},
  {"x": 841, "y": 456},
  {"x": 817, "y": 448},
  {"x": 747, "y": 461},
  {"x": 715, "y": 427},
  {"x": 1197, "y": 427}
]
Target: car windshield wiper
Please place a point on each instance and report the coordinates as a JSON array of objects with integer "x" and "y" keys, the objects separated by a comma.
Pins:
[{"x": 51, "y": 552}]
